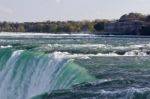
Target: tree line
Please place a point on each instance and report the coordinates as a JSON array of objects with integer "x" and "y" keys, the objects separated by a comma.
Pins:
[
  {"x": 71, "y": 26},
  {"x": 53, "y": 26}
]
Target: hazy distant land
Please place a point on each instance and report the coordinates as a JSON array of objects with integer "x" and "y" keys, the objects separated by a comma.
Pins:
[{"x": 128, "y": 24}]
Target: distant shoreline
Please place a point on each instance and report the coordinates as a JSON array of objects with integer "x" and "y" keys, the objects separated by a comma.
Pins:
[{"x": 128, "y": 24}]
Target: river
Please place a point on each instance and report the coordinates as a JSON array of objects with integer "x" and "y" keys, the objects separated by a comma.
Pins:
[{"x": 74, "y": 66}]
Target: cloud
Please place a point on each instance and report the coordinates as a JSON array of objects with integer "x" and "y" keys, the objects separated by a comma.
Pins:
[{"x": 5, "y": 10}]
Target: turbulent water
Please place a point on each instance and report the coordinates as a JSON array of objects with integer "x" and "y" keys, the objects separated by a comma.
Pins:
[{"x": 76, "y": 66}]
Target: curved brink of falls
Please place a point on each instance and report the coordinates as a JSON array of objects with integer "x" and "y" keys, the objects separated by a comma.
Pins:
[{"x": 24, "y": 74}]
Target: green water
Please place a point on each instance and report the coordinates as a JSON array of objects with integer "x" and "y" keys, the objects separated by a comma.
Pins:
[
  {"x": 74, "y": 67},
  {"x": 24, "y": 72}
]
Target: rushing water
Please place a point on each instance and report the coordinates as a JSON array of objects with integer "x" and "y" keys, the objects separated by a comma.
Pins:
[{"x": 50, "y": 66}]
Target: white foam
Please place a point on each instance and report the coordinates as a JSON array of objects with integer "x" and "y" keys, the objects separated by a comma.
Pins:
[
  {"x": 88, "y": 56},
  {"x": 42, "y": 34},
  {"x": 8, "y": 46},
  {"x": 135, "y": 53},
  {"x": 129, "y": 90}
]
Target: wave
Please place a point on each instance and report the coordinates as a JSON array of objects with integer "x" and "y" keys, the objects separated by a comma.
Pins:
[
  {"x": 8, "y": 46},
  {"x": 97, "y": 49},
  {"x": 67, "y": 34},
  {"x": 87, "y": 50},
  {"x": 130, "y": 93},
  {"x": 87, "y": 56},
  {"x": 44, "y": 35}
]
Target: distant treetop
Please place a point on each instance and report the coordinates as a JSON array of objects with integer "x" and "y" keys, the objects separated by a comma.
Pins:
[{"x": 132, "y": 16}]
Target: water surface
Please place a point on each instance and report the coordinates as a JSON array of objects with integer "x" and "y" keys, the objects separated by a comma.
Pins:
[{"x": 76, "y": 66}]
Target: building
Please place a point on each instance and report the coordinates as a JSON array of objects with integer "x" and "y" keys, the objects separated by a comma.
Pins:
[{"x": 124, "y": 27}]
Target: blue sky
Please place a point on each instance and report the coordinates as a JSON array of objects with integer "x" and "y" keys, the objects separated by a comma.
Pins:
[{"x": 43, "y": 10}]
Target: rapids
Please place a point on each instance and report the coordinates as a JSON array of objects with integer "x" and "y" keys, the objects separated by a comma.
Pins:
[{"x": 63, "y": 66}]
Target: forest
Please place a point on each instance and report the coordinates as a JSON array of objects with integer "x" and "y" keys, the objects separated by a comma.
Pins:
[{"x": 85, "y": 26}]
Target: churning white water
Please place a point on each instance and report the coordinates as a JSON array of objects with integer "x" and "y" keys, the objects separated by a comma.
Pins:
[{"x": 27, "y": 74}]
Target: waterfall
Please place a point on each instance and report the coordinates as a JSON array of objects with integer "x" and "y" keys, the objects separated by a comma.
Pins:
[{"x": 25, "y": 74}]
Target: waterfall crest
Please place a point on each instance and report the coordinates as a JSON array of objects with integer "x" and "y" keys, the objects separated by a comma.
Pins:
[{"x": 25, "y": 74}]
